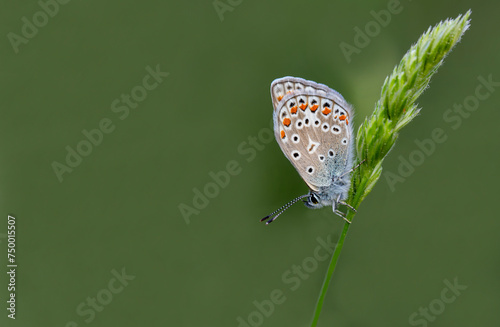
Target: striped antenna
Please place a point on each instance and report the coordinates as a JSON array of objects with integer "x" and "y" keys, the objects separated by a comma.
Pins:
[{"x": 282, "y": 209}]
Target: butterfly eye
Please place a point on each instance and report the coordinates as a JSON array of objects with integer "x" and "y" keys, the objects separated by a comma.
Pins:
[{"x": 314, "y": 198}]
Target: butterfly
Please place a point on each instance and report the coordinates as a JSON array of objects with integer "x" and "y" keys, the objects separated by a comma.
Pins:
[{"x": 313, "y": 127}]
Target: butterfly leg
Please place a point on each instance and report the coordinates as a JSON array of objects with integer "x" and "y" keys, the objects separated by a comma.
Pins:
[
  {"x": 347, "y": 205},
  {"x": 338, "y": 212},
  {"x": 354, "y": 168},
  {"x": 344, "y": 203},
  {"x": 341, "y": 214}
]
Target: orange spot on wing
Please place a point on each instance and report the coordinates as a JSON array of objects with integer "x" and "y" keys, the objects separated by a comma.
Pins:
[
  {"x": 326, "y": 111},
  {"x": 293, "y": 109},
  {"x": 314, "y": 107},
  {"x": 280, "y": 97},
  {"x": 303, "y": 106},
  {"x": 286, "y": 122},
  {"x": 342, "y": 117},
  {"x": 282, "y": 134}
]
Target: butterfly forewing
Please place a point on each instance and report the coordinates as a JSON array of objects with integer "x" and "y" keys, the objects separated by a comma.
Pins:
[{"x": 313, "y": 129}]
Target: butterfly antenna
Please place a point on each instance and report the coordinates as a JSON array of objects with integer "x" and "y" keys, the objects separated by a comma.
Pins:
[{"x": 282, "y": 209}]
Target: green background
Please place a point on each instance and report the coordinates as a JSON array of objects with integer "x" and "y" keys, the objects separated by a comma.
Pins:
[{"x": 119, "y": 208}]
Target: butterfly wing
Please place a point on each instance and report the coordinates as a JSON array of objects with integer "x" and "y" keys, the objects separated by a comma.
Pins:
[{"x": 312, "y": 125}]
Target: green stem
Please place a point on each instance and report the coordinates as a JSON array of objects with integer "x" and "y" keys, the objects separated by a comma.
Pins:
[{"x": 329, "y": 274}]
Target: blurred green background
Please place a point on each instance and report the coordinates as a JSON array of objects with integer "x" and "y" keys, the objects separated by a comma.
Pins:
[{"x": 118, "y": 210}]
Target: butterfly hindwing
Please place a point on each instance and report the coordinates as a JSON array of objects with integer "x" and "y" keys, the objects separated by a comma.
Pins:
[{"x": 313, "y": 129}]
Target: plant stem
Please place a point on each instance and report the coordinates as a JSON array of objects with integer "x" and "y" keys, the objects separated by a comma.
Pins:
[{"x": 329, "y": 273}]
